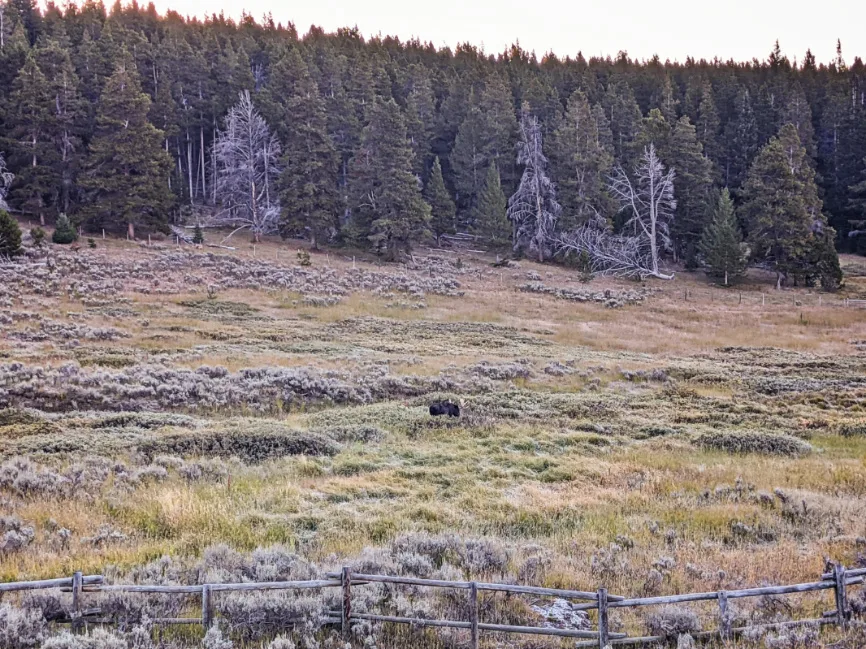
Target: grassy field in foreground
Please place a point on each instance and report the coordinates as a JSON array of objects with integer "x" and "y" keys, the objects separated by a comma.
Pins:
[{"x": 657, "y": 438}]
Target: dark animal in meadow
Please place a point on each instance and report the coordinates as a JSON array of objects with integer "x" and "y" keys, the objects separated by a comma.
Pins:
[{"x": 444, "y": 408}]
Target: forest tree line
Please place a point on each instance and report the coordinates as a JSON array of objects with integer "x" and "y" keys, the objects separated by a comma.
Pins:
[{"x": 126, "y": 120}]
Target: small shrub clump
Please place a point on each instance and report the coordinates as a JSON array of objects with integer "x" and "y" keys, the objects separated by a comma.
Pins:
[
  {"x": 10, "y": 235},
  {"x": 673, "y": 621},
  {"x": 37, "y": 235},
  {"x": 14, "y": 535},
  {"x": 20, "y": 628},
  {"x": 755, "y": 442},
  {"x": 64, "y": 232}
]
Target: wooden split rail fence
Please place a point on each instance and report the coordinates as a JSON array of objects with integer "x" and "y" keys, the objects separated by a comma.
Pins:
[{"x": 601, "y": 601}]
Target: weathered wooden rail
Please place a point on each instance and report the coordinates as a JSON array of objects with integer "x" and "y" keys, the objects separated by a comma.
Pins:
[{"x": 600, "y": 600}]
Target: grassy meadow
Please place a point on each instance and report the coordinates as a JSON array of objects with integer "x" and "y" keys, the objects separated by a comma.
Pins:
[{"x": 213, "y": 406}]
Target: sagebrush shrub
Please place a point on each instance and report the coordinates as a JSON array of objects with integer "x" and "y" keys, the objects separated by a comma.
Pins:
[
  {"x": 214, "y": 639},
  {"x": 672, "y": 621},
  {"x": 20, "y": 628},
  {"x": 754, "y": 442}
]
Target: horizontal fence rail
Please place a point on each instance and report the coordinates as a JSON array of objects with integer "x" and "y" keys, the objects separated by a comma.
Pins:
[{"x": 600, "y": 601}]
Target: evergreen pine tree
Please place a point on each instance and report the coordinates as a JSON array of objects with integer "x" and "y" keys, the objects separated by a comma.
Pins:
[
  {"x": 308, "y": 184},
  {"x": 441, "y": 206},
  {"x": 741, "y": 134},
  {"x": 486, "y": 135},
  {"x": 782, "y": 210},
  {"x": 724, "y": 253},
  {"x": 492, "y": 220},
  {"x": 653, "y": 130},
  {"x": 12, "y": 55},
  {"x": 467, "y": 157},
  {"x": 198, "y": 235},
  {"x": 32, "y": 112},
  {"x": 420, "y": 118},
  {"x": 126, "y": 172},
  {"x": 624, "y": 116},
  {"x": 693, "y": 187},
  {"x": 707, "y": 125},
  {"x": 767, "y": 108},
  {"x": 822, "y": 261},
  {"x": 665, "y": 100},
  {"x": 581, "y": 157},
  {"x": 798, "y": 112},
  {"x": 10, "y": 235},
  {"x": 67, "y": 122},
  {"x": 857, "y": 209},
  {"x": 64, "y": 231},
  {"x": 387, "y": 207}
]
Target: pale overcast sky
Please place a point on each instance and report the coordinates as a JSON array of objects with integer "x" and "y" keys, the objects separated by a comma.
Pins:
[{"x": 673, "y": 29}]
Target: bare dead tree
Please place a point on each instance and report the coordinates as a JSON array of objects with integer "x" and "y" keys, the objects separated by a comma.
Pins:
[
  {"x": 6, "y": 178},
  {"x": 605, "y": 252},
  {"x": 650, "y": 199},
  {"x": 533, "y": 209},
  {"x": 247, "y": 154}
]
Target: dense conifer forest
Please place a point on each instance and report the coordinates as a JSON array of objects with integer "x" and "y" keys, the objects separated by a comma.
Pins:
[{"x": 128, "y": 121}]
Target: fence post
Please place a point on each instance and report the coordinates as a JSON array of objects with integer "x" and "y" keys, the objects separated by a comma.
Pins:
[
  {"x": 77, "y": 584},
  {"x": 206, "y": 607},
  {"x": 346, "y": 613},
  {"x": 724, "y": 618},
  {"x": 473, "y": 614},
  {"x": 602, "y": 618},
  {"x": 841, "y": 595}
]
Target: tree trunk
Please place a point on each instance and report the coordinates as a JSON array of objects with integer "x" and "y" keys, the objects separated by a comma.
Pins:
[
  {"x": 130, "y": 231},
  {"x": 189, "y": 168},
  {"x": 201, "y": 157},
  {"x": 213, "y": 162}
]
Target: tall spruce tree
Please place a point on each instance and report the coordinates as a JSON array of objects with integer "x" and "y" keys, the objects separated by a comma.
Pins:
[
  {"x": 126, "y": 171},
  {"x": 32, "y": 102},
  {"x": 741, "y": 134},
  {"x": 308, "y": 183},
  {"x": 724, "y": 253},
  {"x": 654, "y": 130},
  {"x": 665, "y": 100},
  {"x": 486, "y": 135},
  {"x": 624, "y": 117},
  {"x": 707, "y": 126},
  {"x": 798, "y": 112},
  {"x": 693, "y": 187},
  {"x": 387, "y": 207},
  {"x": 492, "y": 220},
  {"x": 581, "y": 159},
  {"x": 442, "y": 207},
  {"x": 67, "y": 124},
  {"x": 857, "y": 211},
  {"x": 782, "y": 210},
  {"x": 420, "y": 118}
]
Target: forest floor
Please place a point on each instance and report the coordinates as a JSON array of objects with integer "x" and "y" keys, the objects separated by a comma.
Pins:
[{"x": 656, "y": 437}]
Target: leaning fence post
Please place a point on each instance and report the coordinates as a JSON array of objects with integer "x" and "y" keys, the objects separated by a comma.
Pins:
[
  {"x": 724, "y": 618},
  {"x": 473, "y": 614},
  {"x": 77, "y": 583},
  {"x": 206, "y": 607},
  {"x": 346, "y": 614},
  {"x": 602, "y": 618},
  {"x": 841, "y": 595}
]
